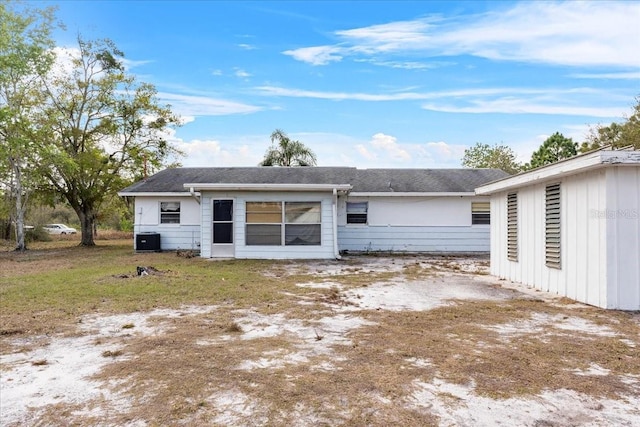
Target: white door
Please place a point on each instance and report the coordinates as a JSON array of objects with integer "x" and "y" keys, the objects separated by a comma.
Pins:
[{"x": 222, "y": 246}]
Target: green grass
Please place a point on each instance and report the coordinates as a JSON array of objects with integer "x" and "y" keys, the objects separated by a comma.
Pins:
[{"x": 57, "y": 282}]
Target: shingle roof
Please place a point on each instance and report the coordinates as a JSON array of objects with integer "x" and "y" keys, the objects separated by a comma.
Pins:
[{"x": 362, "y": 180}]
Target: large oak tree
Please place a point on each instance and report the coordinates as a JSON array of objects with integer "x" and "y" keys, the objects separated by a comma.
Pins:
[
  {"x": 487, "y": 156},
  {"x": 105, "y": 127}
]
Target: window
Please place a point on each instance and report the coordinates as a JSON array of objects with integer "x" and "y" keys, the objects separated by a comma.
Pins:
[
  {"x": 357, "y": 212},
  {"x": 264, "y": 223},
  {"x": 552, "y": 226},
  {"x": 512, "y": 226},
  {"x": 300, "y": 221},
  {"x": 480, "y": 213},
  {"x": 169, "y": 212}
]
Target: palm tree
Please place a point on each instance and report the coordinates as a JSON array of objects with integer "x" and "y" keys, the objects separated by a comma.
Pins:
[{"x": 287, "y": 152}]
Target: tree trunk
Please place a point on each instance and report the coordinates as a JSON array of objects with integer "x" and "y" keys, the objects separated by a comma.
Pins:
[
  {"x": 17, "y": 188},
  {"x": 87, "y": 219}
]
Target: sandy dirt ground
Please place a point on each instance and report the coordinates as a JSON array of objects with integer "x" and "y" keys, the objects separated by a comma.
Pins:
[{"x": 64, "y": 370}]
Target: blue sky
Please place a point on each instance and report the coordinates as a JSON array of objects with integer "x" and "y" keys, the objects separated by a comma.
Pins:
[{"x": 373, "y": 84}]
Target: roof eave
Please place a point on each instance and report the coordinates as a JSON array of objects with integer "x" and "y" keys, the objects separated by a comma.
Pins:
[
  {"x": 589, "y": 161},
  {"x": 411, "y": 194},
  {"x": 154, "y": 194},
  {"x": 267, "y": 187}
]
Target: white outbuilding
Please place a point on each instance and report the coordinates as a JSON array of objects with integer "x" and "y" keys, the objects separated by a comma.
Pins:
[{"x": 571, "y": 228}]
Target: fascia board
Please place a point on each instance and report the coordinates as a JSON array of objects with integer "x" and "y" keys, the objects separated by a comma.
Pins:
[
  {"x": 155, "y": 194},
  {"x": 409, "y": 194},
  {"x": 267, "y": 187}
]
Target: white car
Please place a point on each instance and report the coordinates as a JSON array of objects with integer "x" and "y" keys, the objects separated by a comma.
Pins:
[{"x": 59, "y": 229}]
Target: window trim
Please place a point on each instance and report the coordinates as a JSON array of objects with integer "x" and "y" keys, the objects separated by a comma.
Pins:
[
  {"x": 512, "y": 226},
  {"x": 177, "y": 213}
]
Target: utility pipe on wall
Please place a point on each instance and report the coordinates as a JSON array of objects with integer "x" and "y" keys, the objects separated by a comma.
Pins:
[{"x": 334, "y": 206}]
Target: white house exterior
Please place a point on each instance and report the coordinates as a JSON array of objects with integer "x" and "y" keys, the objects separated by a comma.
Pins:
[
  {"x": 313, "y": 212},
  {"x": 571, "y": 228}
]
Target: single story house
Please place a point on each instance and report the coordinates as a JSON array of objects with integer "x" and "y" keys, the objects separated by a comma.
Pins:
[
  {"x": 571, "y": 228},
  {"x": 312, "y": 212}
]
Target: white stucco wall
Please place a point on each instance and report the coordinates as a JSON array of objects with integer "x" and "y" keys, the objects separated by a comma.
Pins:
[{"x": 599, "y": 251}]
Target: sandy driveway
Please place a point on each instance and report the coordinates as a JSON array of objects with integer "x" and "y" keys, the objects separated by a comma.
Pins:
[{"x": 349, "y": 340}]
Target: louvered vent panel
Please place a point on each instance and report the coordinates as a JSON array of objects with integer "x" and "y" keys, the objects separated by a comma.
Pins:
[
  {"x": 512, "y": 226},
  {"x": 552, "y": 226}
]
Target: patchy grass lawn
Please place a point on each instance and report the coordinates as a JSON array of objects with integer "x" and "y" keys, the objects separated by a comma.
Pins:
[{"x": 413, "y": 340}]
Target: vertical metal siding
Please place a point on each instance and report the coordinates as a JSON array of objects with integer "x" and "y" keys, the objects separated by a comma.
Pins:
[
  {"x": 583, "y": 272},
  {"x": 622, "y": 216}
]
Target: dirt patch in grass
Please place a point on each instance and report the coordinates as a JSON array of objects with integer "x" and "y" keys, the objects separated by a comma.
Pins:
[{"x": 373, "y": 341}]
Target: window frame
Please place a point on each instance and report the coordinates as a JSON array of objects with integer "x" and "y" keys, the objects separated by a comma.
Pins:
[
  {"x": 170, "y": 214},
  {"x": 480, "y": 213},
  {"x": 300, "y": 224},
  {"x": 265, "y": 223},
  {"x": 350, "y": 213},
  {"x": 285, "y": 222}
]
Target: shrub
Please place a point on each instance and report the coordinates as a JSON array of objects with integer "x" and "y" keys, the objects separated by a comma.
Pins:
[{"x": 37, "y": 234}]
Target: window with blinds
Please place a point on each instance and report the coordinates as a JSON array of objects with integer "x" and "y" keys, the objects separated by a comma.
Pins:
[
  {"x": 357, "y": 212},
  {"x": 300, "y": 221},
  {"x": 512, "y": 226},
  {"x": 552, "y": 226},
  {"x": 169, "y": 212},
  {"x": 480, "y": 213}
]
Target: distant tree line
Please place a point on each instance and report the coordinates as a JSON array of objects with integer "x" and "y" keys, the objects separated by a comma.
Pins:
[{"x": 557, "y": 146}]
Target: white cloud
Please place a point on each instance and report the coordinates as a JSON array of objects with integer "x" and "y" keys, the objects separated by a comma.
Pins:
[
  {"x": 572, "y": 101},
  {"x": 631, "y": 75},
  {"x": 247, "y": 46},
  {"x": 209, "y": 153},
  {"x": 407, "y": 65},
  {"x": 388, "y": 37},
  {"x": 64, "y": 59},
  {"x": 380, "y": 151},
  {"x": 241, "y": 73},
  {"x": 130, "y": 64},
  {"x": 567, "y": 33},
  {"x": 191, "y": 105},
  {"x": 362, "y": 150},
  {"x": 445, "y": 152},
  {"x": 186, "y": 119},
  {"x": 388, "y": 144},
  {"x": 316, "y": 55},
  {"x": 509, "y": 105}
]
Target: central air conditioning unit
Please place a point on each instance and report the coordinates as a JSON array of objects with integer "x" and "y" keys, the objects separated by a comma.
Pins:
[{"x": 148, "y": 242}]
